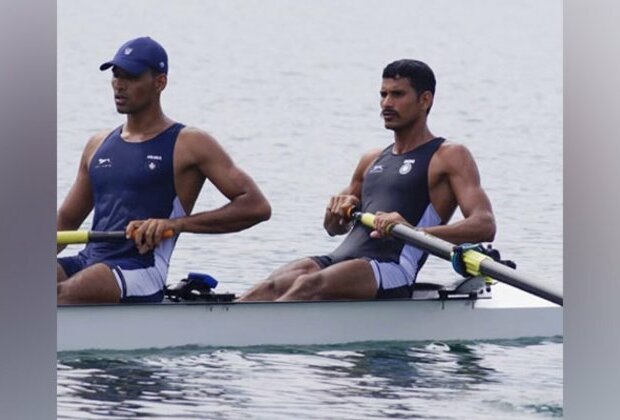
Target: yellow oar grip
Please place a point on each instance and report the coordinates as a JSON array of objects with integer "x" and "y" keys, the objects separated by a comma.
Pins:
[
  {"x": 66, "y": 237},
  {"x": 472, "y": 260},
  {"x": 368, "y": 220}
]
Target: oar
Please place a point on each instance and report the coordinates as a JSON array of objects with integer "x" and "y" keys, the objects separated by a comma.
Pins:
[
  {"x": 67, "y": 237},
  {"x": 476, "y": 263}
]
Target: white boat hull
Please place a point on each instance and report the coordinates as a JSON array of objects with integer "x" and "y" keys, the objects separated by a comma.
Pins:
[{"x": 129, "y": 327}]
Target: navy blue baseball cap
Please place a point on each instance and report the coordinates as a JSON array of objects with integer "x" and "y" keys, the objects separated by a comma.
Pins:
[{"x": 139, "y": 55}]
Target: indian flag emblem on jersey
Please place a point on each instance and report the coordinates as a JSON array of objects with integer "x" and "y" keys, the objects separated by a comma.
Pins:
[
  {"x": 406, "y": 166},
  {"x": 153, "y": 162}
]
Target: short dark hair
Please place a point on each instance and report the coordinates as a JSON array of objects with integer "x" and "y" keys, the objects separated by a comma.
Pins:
[
  {"x": 419, "y": 74},
  {"x": 156, "y": 72}
]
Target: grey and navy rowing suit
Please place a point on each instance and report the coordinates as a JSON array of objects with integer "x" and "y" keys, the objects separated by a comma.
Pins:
[
  {"x": 392, "y": 183},
  {"x": 132, "y": 181}
]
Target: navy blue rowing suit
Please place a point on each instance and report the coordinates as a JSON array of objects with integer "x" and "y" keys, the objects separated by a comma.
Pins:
[
  {"x": 394, "y": 182},
  {"x": 132, "y": 181}
]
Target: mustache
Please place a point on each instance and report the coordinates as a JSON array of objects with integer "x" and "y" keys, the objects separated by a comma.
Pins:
[{"x": 388, "y": 111}]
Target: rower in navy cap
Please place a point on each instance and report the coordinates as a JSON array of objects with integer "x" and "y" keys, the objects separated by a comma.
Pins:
[{"x": 144, "y": 177}]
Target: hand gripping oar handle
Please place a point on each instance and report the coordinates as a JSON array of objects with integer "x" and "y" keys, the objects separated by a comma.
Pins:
[
  {"x": 67, "y": 237},
  {"x": 476, "y": 263}
]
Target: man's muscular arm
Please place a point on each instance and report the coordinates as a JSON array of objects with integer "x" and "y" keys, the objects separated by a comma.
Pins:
[{"x": 456, "y": 163}]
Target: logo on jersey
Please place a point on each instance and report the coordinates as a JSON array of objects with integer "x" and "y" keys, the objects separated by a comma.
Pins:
[
  {"x": 377, "y": 169},
  {"x": 103, "y": 163},
  {"x": 406, "y": 166},
  {"x": 153, "y": 162}
]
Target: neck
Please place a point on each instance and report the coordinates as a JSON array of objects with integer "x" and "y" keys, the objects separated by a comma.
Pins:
[
  {"x": 410, "y": 137},
  {"x": 144, "y": 124}
]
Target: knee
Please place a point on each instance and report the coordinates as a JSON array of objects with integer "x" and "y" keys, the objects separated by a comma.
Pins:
[
  {"x": 277, "y": 287},
  {"x": 265, "y": 290},
  {"x": 65, "y": 293},
  {"x": 270, "y": 286},
  {"x": 309, "y": 286}
]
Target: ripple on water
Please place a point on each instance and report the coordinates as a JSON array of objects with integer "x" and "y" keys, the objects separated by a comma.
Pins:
[{"x": 368, "y": 379}]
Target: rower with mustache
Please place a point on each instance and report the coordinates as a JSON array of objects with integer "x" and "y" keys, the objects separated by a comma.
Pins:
[{"x": 419, "y": 180}]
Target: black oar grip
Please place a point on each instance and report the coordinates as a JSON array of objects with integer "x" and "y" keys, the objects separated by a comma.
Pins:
[{"x": 111, "y": 236}]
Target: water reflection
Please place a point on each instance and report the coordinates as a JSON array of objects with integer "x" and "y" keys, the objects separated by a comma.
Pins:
[{"x": 387, "y": 379}]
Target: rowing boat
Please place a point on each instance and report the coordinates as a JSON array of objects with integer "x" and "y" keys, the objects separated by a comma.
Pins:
[
  {"x": 464, "y": 309},
  {"x": 502, "y": 313}
]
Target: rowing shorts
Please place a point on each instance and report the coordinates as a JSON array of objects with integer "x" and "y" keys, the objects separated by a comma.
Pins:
[
  {"x": 393, "y": 281},
  {"x": 137, "y": 283}
]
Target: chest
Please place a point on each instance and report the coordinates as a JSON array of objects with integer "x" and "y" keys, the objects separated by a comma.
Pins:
[
  {"x": 396, "y": 176},
  {"x": 134, "y": 166}
]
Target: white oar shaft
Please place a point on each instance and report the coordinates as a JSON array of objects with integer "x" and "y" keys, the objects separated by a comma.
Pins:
[{"x": 510, "y": 276}]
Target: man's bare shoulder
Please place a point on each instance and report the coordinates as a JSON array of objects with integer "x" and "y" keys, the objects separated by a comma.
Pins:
[
  {"x": 451, "y": 146},
  {"x": 453, "y": 156},
  {"x": 367, "y": 159},
  {"x": 196, "y": 147},
  {"x": 100, "y": 136},
  {"x": 194, "y": 135},
  {"x": 370, "y": 156},
  {"x": 453, "y": 150},
  {"x": 94, "y": 142},
  {"x": 197, "y": 143}
]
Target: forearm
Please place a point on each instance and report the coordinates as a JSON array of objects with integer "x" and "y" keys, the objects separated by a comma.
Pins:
[
  {"x": 474, "y": 229},
  {"x": 244, "y": 211}
]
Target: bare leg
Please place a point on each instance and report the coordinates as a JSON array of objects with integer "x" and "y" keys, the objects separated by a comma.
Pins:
[
  {"x": 94, "y": 284},
  {"x": 353, "y": 279},
  {"x": 279, "y": 282}
]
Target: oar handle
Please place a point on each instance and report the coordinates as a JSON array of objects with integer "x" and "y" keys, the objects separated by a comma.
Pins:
[
  {"x": 68, "y": 237},
  {"x": 367, "y": 219}
]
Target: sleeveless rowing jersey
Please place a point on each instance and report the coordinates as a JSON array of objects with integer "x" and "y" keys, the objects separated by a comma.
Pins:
[
  {"x": 394, "y": 183},
  {"x": 133, "y": 181}
]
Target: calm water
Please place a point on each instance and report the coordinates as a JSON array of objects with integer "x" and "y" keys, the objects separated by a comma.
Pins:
[
  {"x": 404, "y": 380},
  {"x": 291, "y": 91}
]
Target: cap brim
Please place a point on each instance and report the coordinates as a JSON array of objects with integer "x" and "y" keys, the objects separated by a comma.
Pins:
[{"x": 133, "y": 67}]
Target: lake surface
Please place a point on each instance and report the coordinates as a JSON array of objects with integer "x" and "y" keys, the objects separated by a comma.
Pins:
[{"x": 291, "y": 92}]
